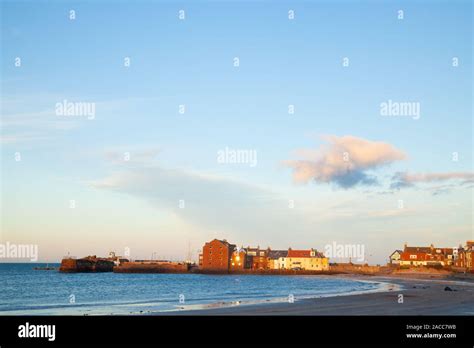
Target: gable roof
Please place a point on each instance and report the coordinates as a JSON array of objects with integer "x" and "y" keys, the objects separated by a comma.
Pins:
[
  {"x": 299, "y": 253},
  {"x": 445, "y": 251},
  {"x": 276, "y": 254},
  {"x": 426, "y": 250},
  {"x": 429, "y": 250},
  {"x": 224, "y": 242},
  {"x": 418, "y": 256},
  {"x": 397, "y": 251}
]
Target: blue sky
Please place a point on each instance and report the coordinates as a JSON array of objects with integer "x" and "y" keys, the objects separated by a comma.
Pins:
[{"x": 135, "y": 204}]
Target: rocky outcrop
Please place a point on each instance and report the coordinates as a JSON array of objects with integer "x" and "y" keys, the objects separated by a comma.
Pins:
[{"x": 87, "y": 264}]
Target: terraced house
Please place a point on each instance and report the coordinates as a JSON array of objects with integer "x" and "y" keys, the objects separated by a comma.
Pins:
[
  {"x": 426, "y": 256},
  {"x": 277, "y": 259},
  {"x": 220, "y": 255},
  {"x": 310, "y": 260}
]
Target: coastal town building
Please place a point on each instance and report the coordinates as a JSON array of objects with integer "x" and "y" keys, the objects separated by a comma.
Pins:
[
  {"x": 306, "y": 260},
  {"x": 395, "y": 257},
  {"x": 426, "y": 256},
  {"x": 465, "y": 257},
  {"x": 276, "y": 259},
  {"x": 239, "y": 259},
  {"x": 216, "y": 255},
  {"x": 220, "y": 255},
  {"x": 259, "y": 258}
]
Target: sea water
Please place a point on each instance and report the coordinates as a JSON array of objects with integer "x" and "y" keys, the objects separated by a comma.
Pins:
[{"x": 25, "y": 291}]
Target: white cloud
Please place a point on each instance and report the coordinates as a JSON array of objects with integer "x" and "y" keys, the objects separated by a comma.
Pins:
[{"x": 344, "y": 161}]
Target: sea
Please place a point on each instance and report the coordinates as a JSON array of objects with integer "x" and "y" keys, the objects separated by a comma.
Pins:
[{"x": 25, "y": 291}]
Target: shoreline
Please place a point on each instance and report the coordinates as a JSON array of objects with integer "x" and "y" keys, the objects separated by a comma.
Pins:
[
  {"x": 422, "y": 295},
  {"x": 198, "y": 308}
]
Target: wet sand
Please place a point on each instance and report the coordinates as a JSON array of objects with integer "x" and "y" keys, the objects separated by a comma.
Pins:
[{"x": 421, "y": 296}]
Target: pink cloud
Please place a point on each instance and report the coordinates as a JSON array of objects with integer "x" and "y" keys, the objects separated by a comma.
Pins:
[{"x": 343, "y": 160}]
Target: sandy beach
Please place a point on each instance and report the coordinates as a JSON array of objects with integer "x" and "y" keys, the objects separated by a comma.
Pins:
[{"x": 422, "y": 295}]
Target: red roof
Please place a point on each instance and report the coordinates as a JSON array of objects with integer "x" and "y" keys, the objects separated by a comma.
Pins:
[
  {"x": 299, "y": 253},
  {"x": 419, "y": 256},
  {"x": 406, "y": 256}
]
